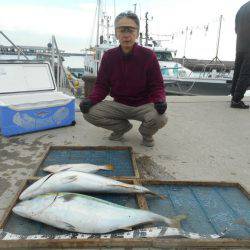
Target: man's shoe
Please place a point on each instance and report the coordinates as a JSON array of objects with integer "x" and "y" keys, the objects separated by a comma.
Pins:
[
  {"x": 239, "y": 105},
  {"x": 148, "y": 141},
  {"x": 118, "y": 136}
]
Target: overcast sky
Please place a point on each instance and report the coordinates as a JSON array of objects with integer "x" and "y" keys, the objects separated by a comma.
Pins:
[{"x": 32, "y": 22}]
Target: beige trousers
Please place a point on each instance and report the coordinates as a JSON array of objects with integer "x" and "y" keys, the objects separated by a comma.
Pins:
[{"x": 115, "y": 116}]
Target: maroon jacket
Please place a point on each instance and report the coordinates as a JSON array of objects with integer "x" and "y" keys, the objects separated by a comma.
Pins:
[{"x": 134, "y": 79}]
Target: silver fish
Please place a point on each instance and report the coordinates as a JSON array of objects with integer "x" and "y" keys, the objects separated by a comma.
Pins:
[
  {"x": 86, "y": 214},
  {"x": 81, "y": 167},
  {"x": 73, "y": 181}
]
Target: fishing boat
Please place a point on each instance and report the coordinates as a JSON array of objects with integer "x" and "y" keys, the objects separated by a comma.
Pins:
[{"x": 180, "y": 80}]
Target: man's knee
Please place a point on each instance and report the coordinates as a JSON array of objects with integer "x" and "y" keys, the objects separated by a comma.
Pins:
[
  {"x": 156, "y": 120},
  {"x": 161, "y": 121},
  {"x": 92, "y": 116}
]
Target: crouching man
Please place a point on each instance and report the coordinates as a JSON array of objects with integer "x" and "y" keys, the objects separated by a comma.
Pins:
[{"x": 131, "y": 75}]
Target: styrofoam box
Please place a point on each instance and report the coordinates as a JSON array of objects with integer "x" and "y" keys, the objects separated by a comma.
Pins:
[{"x": 29, "y": 100}]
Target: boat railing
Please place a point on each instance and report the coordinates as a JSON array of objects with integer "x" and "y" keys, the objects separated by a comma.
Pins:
[
  {"x": 59, "y": 70},
  {"x": 19, "y": 49},
  {"x": 54, "y": 57}
]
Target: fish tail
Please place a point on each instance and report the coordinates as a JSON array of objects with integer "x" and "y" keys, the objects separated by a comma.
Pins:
[
  {"x": 109, "y": 167},
  {"x": 176, "y": 221},
  {"x": 47, "y": 169}
]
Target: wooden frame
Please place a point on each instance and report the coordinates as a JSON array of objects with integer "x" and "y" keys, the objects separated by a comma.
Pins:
[
  {"x": 126, "y": 243},
  {"x": 148, "y": 242},
  {"x": 142, "y": 203},
  {"x": 197, "y": 183}
]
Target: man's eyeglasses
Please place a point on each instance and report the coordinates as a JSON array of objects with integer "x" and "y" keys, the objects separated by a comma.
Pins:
[{"x": 126, "y": 29}]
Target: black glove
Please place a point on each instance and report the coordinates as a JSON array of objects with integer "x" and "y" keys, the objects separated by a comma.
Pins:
[
  {"x": 85, "y": 105},
  {"x": 161, "y": 107}
]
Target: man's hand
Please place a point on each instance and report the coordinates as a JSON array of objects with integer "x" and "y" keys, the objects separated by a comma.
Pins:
[
  {"x": 85, "y": 105},
  {"x": 160, "y": 107}
]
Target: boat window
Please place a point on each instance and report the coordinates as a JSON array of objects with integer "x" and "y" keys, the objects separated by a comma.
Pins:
[
  {"x": 165, "y": 71},
  {"x": 164, "y": 56}
]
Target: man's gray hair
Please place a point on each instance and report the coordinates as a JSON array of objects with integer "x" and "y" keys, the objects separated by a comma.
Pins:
[{"x": 128, "y": 14}]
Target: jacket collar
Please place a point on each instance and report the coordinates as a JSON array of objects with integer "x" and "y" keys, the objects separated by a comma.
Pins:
[{"x": 130, "y": 54}]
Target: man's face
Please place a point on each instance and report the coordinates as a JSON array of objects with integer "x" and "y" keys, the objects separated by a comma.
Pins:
[{"x": 126, "y": 32}]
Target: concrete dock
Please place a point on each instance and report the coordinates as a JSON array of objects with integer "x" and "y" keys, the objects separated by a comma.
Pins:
[{"x": 204, "y": 140}]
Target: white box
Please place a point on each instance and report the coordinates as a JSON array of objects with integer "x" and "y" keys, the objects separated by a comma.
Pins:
[{"x": 29, "y": 100}]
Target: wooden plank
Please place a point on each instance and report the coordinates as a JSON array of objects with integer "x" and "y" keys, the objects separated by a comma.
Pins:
[
  {"x": 118, "y": 178},
  {"x": 141, "y": 199},
  {"x": 90, "y": 147},
  {"x": 193, "y": 183},
  {"x": 217, "y": 243},
  {"x": 7, "y": 212},
  {"x": 134, "y": 164},
  {"x": 243, "y": 190},
  {"x": 196, "y": 183},
  {"x": 153, "y": 242}
]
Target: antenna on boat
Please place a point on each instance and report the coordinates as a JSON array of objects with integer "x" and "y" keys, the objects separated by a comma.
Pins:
[
  {"x": 146, "y": 28},
  {"x": 216, "y": 61},
  {"x": 135, "y": 4},
  {"x": 185, "y": 46},
  {"x": 218, "y": 38}
]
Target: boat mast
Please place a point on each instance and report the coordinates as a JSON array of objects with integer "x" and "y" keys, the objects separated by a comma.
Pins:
[
  {"x": 114, "y": 10},
  {"x": 218, "y": 39},
  {"x": 146, "y": 29},
  {"x": 98, "y": 22},
  {"x": 216, "y": 61}
]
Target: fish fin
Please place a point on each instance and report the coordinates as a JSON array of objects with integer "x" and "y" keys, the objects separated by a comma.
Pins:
[
  {"x": 68, "y": 196},
  {"x": 68, "y": 179},
  {"x": 69, "y": 226},
  {"x": 176, "y": 221},
  {"x": 120, "y": 185},
  {"x": 46, "y": 169},
  {"x": 129, "y": 228},
  {"x": 65, "y": 169},
  {"x": 47, "y": 177},
  {"x": 109, "y": 167}
]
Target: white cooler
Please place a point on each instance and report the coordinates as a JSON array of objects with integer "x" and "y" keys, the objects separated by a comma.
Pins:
[{"x": 29, "y": 100}]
